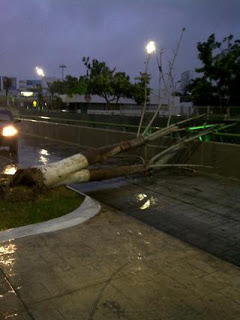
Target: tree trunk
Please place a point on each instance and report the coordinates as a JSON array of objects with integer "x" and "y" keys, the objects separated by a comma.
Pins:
[
  {"x": 49, "y": 175},
  {"x": 74, "y": 169}
]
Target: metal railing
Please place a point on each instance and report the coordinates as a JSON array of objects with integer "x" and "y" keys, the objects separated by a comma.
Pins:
[{"x": 93, "y": 124}]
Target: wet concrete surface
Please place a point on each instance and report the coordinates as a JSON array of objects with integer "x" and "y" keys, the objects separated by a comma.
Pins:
[
  {"x": 201, "y": 210},
  {"x": 114, "y": 267}
]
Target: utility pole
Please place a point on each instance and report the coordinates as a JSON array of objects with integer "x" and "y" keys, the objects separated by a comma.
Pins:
[{"x": 62, "y": 66}]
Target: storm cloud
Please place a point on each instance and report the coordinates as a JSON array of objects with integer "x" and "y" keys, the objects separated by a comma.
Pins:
[{"x": 53, "y": 32}]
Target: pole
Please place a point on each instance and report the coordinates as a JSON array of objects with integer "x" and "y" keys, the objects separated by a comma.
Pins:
[{"x": 62, "y": 66}]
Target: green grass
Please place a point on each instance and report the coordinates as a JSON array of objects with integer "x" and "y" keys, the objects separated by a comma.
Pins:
[{"x": 21, "y": 206}]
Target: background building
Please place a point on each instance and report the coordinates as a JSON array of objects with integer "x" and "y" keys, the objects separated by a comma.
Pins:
[{"x": 27, "y": 87}]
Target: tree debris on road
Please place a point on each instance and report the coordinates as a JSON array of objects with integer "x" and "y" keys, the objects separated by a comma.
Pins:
[{"x": 78, "y": 168}]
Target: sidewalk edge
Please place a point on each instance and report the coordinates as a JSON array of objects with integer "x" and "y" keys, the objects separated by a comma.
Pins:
[{"x": 88, "y": 209}]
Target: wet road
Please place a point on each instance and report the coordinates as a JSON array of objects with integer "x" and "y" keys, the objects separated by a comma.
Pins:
[
  {"x": 34, "y": 151},
  {"x": 203, "y": 211}
]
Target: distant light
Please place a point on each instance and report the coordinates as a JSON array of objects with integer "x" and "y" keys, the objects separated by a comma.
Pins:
[
  {"x": 43, "y": 117},
  {"x": 26, "y": 93},
  {"x": 40, "y": 71},
  {"x": 10, "y": 169},
  {"x": 151, "y": 47}
]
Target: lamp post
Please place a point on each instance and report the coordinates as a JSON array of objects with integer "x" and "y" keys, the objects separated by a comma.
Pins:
[
  {"x": 40, "y": 72},
  {"x": 150, "y": 48},
  {"x": 62, "y": 66}
]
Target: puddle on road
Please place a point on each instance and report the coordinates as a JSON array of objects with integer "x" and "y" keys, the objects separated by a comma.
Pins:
[
  {"x": 44, "y": 156},
  {"x": 34, "y": 152},
  {"x": 149, "y": 203}
]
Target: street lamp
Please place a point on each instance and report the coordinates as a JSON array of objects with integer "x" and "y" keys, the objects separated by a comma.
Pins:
[
  {"x": 39, "y": 88},
  {"x": 40, "y": 71},
  {"x": 150, "y": 48},
  {"x": 62, "y": 66}
]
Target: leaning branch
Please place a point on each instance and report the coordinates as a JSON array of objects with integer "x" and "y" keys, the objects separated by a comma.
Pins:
[{"x": 166, "y": 89}]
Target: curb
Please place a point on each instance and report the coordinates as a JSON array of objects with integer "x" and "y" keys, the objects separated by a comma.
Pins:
[{"x": 88, "y": 209}]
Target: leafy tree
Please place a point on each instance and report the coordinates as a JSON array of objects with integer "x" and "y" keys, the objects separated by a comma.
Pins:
[
  {"x": 55, "y": 87},
  {"x": 122, "y": 87},
  {"x": 71, "y": 85},
  {"x": 99, "y": 80},
  {"x": 202, "y": 91},
  {"x": 105, "y": 82},
  {"x": 220, "y": 72},
  {"x": 141, "y": 87},
  {"x": 7, "y": 86}
]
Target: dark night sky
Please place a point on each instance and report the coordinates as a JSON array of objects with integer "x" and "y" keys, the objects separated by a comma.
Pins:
[{"x": 53, "y": 32}]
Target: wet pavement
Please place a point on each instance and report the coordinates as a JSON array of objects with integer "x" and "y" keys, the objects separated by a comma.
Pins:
[
  {"x": 114, "y": 267},
  {"x": 117, "y": 267},
  {"x": 201, "y": 210}
]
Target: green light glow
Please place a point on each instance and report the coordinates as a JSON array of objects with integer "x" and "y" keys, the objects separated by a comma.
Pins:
[
  {"x": 202, "y": 127},
  {"x": 200, "y": 138},
  {"x": 207, "y": 138}
]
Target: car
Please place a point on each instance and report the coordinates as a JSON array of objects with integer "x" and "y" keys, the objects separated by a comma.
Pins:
[{"x": 8, "y": 131}]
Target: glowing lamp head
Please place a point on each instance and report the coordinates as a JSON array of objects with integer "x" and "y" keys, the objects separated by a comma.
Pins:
[
  {"x": 40, "y": 71},
  {"x": 151, "y": 47},
  {"x": 9, "y": 131}
]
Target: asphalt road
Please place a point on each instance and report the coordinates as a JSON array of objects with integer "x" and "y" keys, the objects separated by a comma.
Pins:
[
  {"x": 34, "y": 151},
  {"x": 201, "y": 210}
]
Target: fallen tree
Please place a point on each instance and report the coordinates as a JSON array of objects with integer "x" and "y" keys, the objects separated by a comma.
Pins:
[{"x": 78, "y": 168}]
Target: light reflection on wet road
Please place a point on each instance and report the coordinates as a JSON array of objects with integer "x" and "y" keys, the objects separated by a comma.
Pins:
[
  {"x": 34, "y": 152},
  {"x": 199, "y": 210}
]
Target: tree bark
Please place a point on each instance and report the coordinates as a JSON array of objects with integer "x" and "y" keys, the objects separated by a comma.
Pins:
[
  {"x": 74, "y": 169},
  {"x": 49, "y": 175}
]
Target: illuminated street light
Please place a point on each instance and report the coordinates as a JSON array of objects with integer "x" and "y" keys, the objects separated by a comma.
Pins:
[
  {"x": 151, "y": 47},
  {"x": 40, "y": 71}
]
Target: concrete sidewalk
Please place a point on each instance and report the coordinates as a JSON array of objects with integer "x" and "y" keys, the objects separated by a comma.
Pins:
[{"x": 114, "y": 267}]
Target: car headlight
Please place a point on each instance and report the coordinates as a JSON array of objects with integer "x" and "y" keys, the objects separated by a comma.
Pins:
[{"x": 9, "y": 131}]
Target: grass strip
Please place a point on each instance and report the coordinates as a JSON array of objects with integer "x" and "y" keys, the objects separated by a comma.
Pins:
[{"x": 22, "y": 206}]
